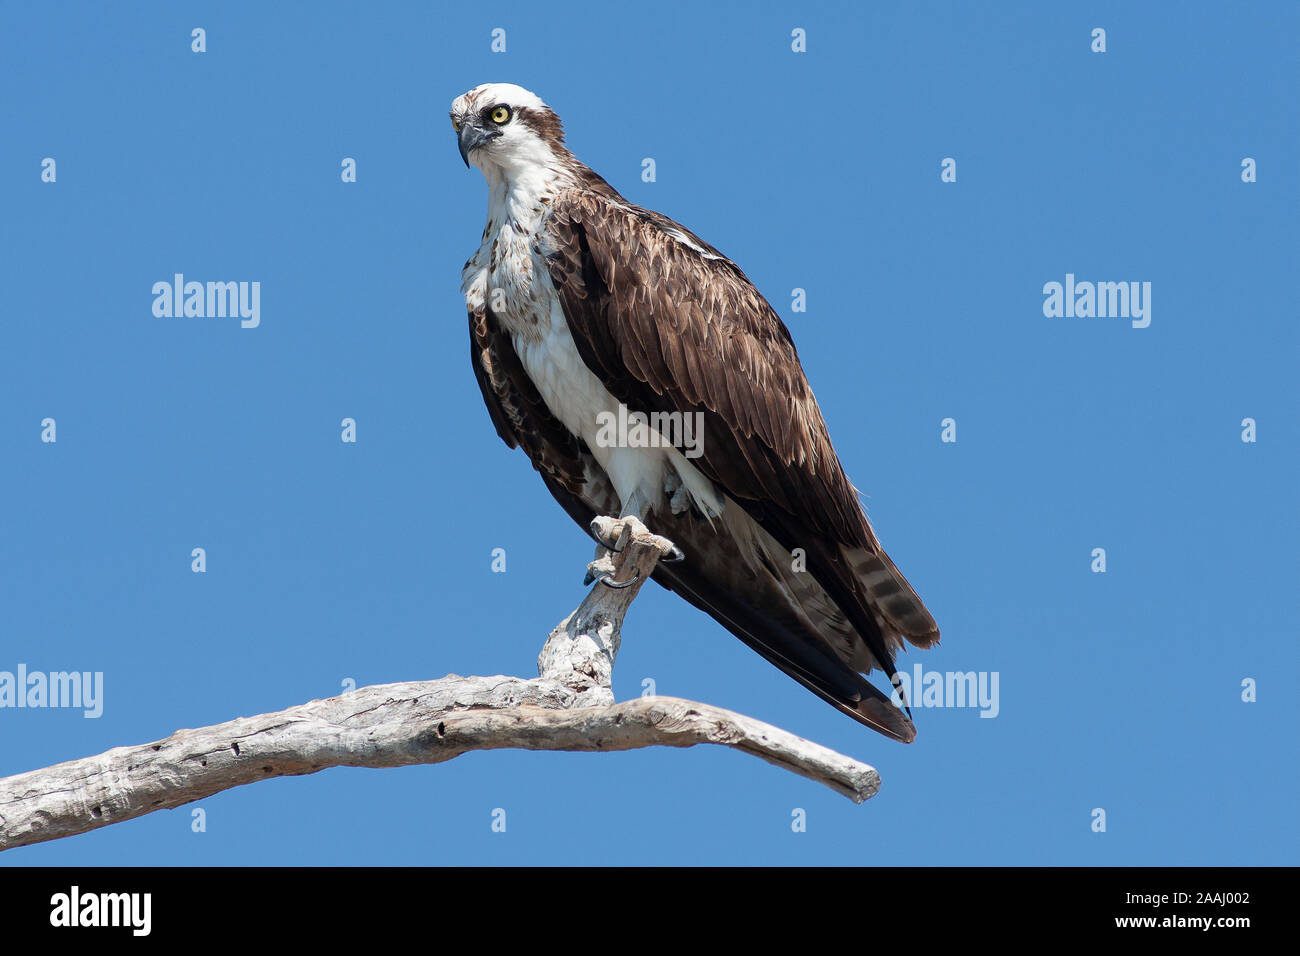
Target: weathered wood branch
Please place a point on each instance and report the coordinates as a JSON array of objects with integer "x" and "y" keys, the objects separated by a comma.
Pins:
[{"x": 570, "y": 706}]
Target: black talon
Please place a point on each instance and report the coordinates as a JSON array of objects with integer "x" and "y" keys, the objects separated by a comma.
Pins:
[
  {"x": 611, "y": 548},
  {"x": 673, "y": 556},
  {"x": 605, "y": 580},
  {"x": 600, "y": 540}
]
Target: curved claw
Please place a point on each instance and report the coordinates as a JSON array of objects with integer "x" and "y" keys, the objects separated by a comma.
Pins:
[
  {"x": 673, "y": 556},
  {"x": 607, "y": 580}
]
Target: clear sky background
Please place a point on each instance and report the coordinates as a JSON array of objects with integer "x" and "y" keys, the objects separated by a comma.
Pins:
[{"x": 819, "y": 170}]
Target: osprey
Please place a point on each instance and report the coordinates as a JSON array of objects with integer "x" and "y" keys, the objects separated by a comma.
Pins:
[{"x": 583, "y": 306}]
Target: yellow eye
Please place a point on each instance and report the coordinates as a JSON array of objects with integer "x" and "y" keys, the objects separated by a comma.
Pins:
[
  {"x": 501, "y": 115},
  {"x": 455, "y": 126}
]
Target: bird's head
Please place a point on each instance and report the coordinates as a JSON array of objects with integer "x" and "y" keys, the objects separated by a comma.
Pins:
[{"x": 505, "y": 129}]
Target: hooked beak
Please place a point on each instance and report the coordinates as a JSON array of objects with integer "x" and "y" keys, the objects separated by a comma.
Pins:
[{"x": 472, "y": 137}]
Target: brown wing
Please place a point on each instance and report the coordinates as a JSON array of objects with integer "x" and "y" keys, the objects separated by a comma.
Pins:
[{"x": 696, "y": 336}]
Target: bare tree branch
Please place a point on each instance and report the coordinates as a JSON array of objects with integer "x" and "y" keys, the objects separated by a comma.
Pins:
[{"x": 569, "y": 707}]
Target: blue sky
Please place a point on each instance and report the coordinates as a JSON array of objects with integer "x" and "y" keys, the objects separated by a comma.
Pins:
[{"x": 819, "y": 170}]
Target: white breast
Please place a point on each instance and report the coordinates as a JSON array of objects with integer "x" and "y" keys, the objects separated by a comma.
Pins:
[{"x": 516, "y": 284}]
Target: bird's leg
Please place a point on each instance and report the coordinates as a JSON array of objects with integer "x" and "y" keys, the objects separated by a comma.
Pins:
[
  {"x": 608, "y": 531},
  {"x": 637, "y": 507},
  {"x": 614, "y": 536},
  {"x": 679, "y": 499}
]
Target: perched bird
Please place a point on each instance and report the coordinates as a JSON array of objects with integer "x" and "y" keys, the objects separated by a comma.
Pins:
[{"x": 584, "y": 307}]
